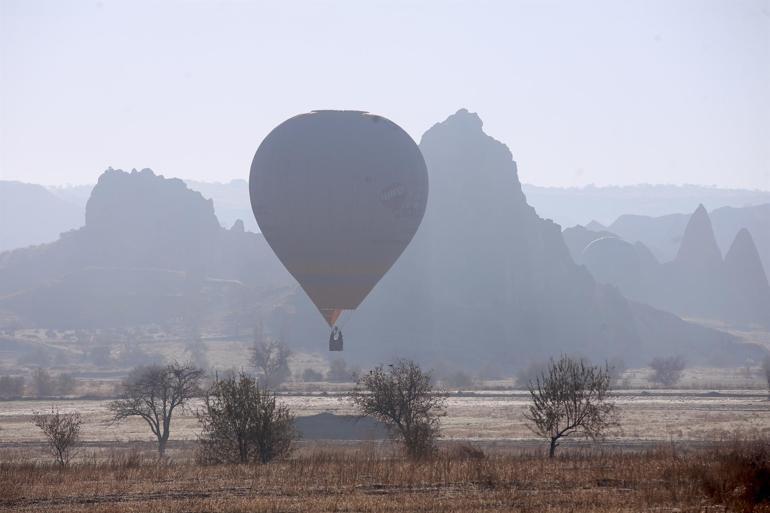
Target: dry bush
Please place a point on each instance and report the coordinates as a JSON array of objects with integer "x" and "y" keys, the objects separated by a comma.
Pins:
[
  {"x": 667, "y": 371},
  {"x": 464, "y": 451},
  {"x": 737, "y": 475},
  {"x": 62, "y": 431},
  {"x": 402, "y": 396},
  {"x": 243, "y": 423}
]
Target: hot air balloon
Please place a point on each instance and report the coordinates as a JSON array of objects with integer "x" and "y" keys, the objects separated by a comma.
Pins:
[{"x": 338, "y": 195}]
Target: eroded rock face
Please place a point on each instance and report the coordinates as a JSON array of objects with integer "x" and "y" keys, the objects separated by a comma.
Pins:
[
  {"x": 698, "y": 282},
  {"x": 699, "y": 246},
  {"x": 750, "y": 292},
  {"x": 486, "y": 280},
  {"x": 142, "y": 219},
  {"x": 151, "y": 250}
]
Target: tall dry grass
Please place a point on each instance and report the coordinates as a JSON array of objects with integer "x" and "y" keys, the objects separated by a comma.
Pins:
[{"x": 370, "y": 478}]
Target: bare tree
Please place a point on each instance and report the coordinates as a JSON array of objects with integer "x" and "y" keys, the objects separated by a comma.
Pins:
[
  {"x": 402, "y": 396},
  {"x": 62, "y": 430},
  {"x": 667, "y": 371},
  {"x": 153, "y": 393},
  {"x": 570, "y": 396},
  {"x": 271, "y": 358},
  {"x": 242, "y": 422}
]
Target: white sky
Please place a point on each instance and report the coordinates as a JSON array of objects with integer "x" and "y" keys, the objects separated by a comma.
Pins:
[{"x": 604, "y": 92}]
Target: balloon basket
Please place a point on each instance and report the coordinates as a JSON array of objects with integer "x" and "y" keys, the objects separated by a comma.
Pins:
[{"x": 335, "y": 340}]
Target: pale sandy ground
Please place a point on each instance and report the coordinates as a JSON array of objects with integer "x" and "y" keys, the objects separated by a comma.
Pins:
[{"x": 645, "y": 416}]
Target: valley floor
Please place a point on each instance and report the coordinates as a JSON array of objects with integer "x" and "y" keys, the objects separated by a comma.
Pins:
[
  {"x": 655, "y": 462},
  {"x": 646, "y": 416}
]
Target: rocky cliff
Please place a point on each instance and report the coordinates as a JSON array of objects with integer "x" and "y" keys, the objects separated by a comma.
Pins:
[{"x": 487, "y": 280}]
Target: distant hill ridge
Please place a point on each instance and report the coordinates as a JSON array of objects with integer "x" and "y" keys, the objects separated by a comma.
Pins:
[
  {"x": 698, "y": 282},
  {"x": 567, "y": 206},
  {"x": 663, "y": 235},
  {"x": 485, "y": 282}
]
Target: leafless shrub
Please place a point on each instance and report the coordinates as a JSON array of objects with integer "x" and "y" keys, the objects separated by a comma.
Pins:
[
  {"x": 62, "y": 431},
  {"x": 570, "y": 396},
  {"x": 153, "y": 393},
  {"x": 271, "y": 358},
  {"x": 738, "y": 475},
  {"x": 667, "y": 371},
  {"x": 402, "y": 396},
  {"x": 11, "y": 387},
  {"x": 243, "y": 423}
]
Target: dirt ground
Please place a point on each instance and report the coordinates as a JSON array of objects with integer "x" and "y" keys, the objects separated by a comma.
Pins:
[{"x": 646, "y": 416}]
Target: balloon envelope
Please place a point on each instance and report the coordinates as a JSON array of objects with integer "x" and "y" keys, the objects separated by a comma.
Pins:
[{"x": 338, "y": 195}]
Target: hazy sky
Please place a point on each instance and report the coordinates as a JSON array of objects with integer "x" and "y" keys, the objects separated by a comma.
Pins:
[{"x": 614, "y": 92}]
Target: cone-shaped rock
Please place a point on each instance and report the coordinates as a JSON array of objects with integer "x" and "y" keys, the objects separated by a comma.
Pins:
[
  {"x": 747, "y": 279},
  {"x": 699, "y": 246}
]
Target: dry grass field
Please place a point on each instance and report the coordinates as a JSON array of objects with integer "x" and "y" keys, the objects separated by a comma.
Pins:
[
  {"x": 367, "y": 479},
  {"x": 661, "y": 458},
  {"x": 655, "y": 462},
  {"x": 646, "y": 416}
]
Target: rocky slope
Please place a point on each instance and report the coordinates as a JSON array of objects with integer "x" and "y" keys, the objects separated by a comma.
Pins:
[
  {"x": 698, "y": 282},
  {"x": 487, "y": 280}
]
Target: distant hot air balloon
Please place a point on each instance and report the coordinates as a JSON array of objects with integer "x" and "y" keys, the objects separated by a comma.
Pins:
[{"x": 338, "y": 195}]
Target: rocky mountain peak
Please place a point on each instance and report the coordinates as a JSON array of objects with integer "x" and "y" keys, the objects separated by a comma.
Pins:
[
  {"x": 699, "y": 246},
  {"x": 143, "y": 201},
  {"x": 742, "y": 259}
]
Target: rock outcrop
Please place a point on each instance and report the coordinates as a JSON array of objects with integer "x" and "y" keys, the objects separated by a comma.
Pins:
[
  {"x": 697, "y": 283},
  {"x": 486, "y": 280},
  {"x": 663, "y": 235},
  {"x": 750, "y": 292},
  {"x": 151, "y": 250}
]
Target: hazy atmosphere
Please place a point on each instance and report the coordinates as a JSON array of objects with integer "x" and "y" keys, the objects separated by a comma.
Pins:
[
  {"x": 385, "y": 256},
  {"x": 596, "y": 92}
]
